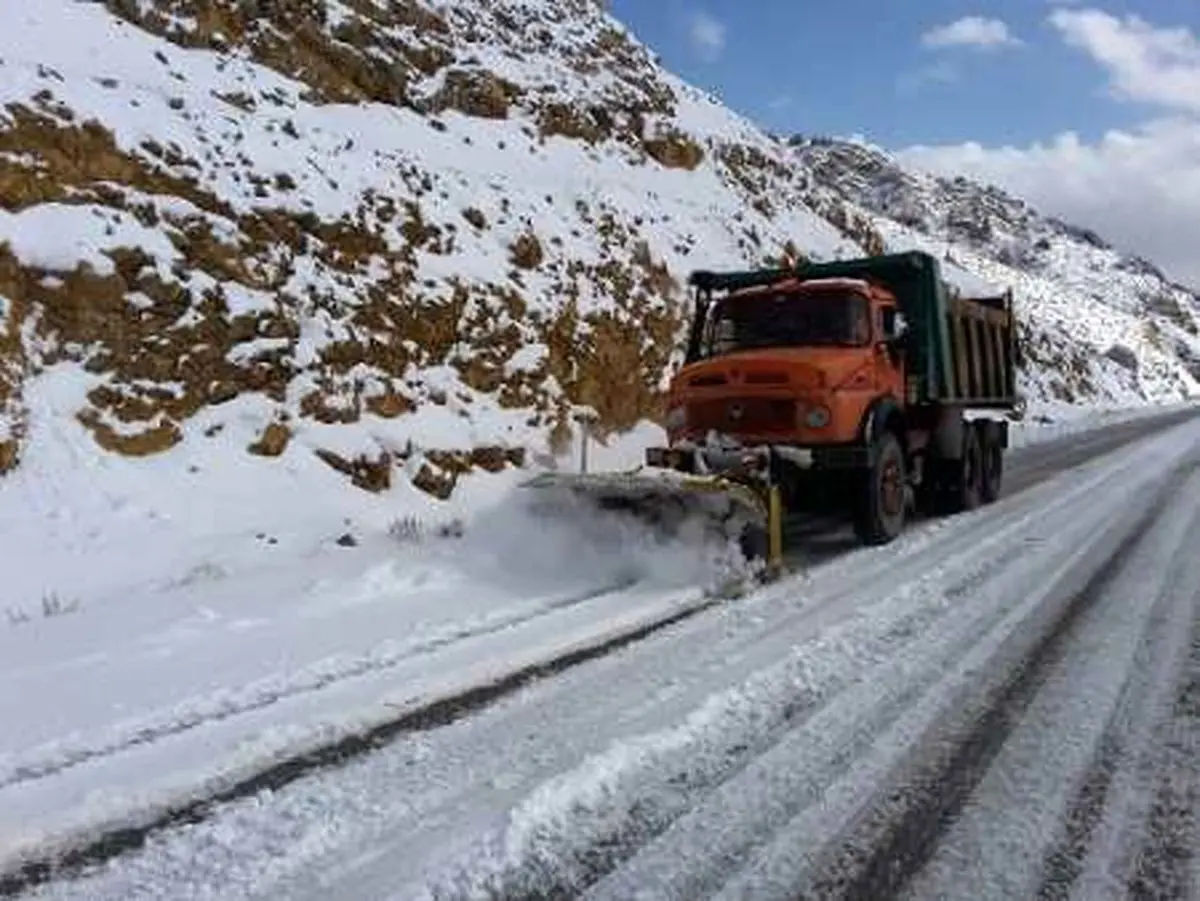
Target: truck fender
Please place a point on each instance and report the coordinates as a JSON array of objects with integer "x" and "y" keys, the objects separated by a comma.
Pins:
[
  {"x": 882, "y": 411},
  {"x": 996, "y": 431}
]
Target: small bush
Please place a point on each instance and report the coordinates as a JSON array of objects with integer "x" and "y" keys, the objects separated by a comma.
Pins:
[
  {"x": 406, "y": 530},
  {"x": 52, "y": 605},
  {"x": 410, "y": 530}
]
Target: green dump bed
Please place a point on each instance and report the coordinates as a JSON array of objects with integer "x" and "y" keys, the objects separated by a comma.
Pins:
[{"x": 958, "y": 349}]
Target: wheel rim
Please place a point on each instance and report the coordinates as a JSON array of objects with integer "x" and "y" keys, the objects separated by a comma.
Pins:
[{"x": 891, "y": 488}]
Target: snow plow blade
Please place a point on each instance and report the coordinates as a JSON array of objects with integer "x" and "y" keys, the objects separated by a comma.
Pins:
[{"x": 671, "y": 502}]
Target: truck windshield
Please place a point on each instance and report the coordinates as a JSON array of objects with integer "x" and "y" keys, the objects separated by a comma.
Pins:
[{"x": 786, "y": 320}]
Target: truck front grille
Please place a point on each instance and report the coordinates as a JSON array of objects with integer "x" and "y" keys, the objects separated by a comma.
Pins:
[{"x": 743, "y": 414}]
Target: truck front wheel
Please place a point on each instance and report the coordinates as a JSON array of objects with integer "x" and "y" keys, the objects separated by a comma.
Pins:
[{"x": 882, "y": 501}]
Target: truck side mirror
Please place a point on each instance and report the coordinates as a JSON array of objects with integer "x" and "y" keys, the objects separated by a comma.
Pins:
[{"x": 895, "y": 326}]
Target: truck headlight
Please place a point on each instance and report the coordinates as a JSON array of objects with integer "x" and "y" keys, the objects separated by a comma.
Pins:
[
  {"x": 676, "y": 418},
  {"x": 817, "y": 418}
]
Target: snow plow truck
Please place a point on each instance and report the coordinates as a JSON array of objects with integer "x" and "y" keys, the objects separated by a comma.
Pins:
[{"x": 864, "y": 390}]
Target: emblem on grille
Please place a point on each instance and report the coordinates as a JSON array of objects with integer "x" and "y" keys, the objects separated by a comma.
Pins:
[{"x": 736, "y": 411}]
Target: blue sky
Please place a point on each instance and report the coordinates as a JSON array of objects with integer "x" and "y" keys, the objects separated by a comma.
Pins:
[
  {"x": 1089, "y": 109},
  {"x": 860, "y": 67}
]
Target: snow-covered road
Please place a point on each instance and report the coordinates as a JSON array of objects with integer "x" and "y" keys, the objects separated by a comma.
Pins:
[
  {"x": 999, "y": 705},
  {"x": 186, "y": 693}
]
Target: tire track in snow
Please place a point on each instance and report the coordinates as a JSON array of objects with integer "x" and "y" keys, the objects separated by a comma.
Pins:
[
  {"x": 1050, "y": 802},
  {"x": 1166, "y": 862},
  {"x": 857, "y": 845},
  {"x": 1151, "y": 679},
  {"x": 942, "y": 782},
  {"x": 913, "y": 838},
  {"x": 115, "y": 842},
  {"x": 793, "y": 774}
]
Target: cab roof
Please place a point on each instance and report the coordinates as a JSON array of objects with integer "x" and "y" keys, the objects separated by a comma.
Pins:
[{"x": 806, "y": 284}]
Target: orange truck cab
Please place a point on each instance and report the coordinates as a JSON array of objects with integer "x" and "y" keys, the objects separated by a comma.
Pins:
[{"x": 845, "y": 385}]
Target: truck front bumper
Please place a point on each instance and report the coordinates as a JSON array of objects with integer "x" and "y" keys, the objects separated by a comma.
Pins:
[{"x": 756, "y": 459}]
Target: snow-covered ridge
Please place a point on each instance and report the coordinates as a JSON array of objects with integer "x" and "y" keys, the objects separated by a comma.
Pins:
[
  {"x": 411, "y": 238},
  {"x": 1096, "y": 322}
]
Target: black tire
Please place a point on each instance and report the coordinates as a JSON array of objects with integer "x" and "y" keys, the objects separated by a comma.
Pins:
[
  {"x": 882, "y": 502},
  {"x": 965, "y": 478},
  {"x": 992, "y": 474},
  {"x": 930, "y": 494}
]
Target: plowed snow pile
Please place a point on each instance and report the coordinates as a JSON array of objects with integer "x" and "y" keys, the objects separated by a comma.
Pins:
[{"x": 530, "y": 543}]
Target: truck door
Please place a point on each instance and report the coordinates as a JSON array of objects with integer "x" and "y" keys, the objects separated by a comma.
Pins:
[{"x": 889, "y": 359}]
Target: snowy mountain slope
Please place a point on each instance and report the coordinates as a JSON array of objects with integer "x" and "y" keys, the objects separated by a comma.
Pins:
[
  {"x": 493, "y": 233},
  {"x": 407, "y": 237},
  {"x": 1096, "y": 321}
]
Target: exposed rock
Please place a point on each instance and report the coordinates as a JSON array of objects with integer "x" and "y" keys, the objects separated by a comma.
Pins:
[
  {"x": 389, "y": 404},
  {"x": 273, "y": 441},
  {"x": 675, "y": 150},
  {"x": 1123, "y": 356},
  {"x": 526, "y": 252},
  {"x": 9, "y": 455},
  {"x": 141, "y": 443},
  {"x": 435, "y": 482},
  {"x": 372, "y": 475},
  {"x": 570, "y": 121},
  {"x": 475, "y": 92}
]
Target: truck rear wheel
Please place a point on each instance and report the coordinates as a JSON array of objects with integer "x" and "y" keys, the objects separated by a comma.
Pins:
[
  {"x": 967, "y": 480},
  {"x": 992, "y": 467},
  {"x": 882, "y": 501}
]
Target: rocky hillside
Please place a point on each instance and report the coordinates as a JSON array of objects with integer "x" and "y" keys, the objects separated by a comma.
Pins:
[
  {"x": 412, "y": 238},
  {"x": 1097, "y": 322}
]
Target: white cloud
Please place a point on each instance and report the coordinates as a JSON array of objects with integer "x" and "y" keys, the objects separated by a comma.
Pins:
[
  {"x": 783, "y": 101},
  {"x": 1152, "y": 65},
  {"x": 971, "y": 31},
  {"x": 1139, "y": 187},
  {"x": 707, "y": 35}
]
